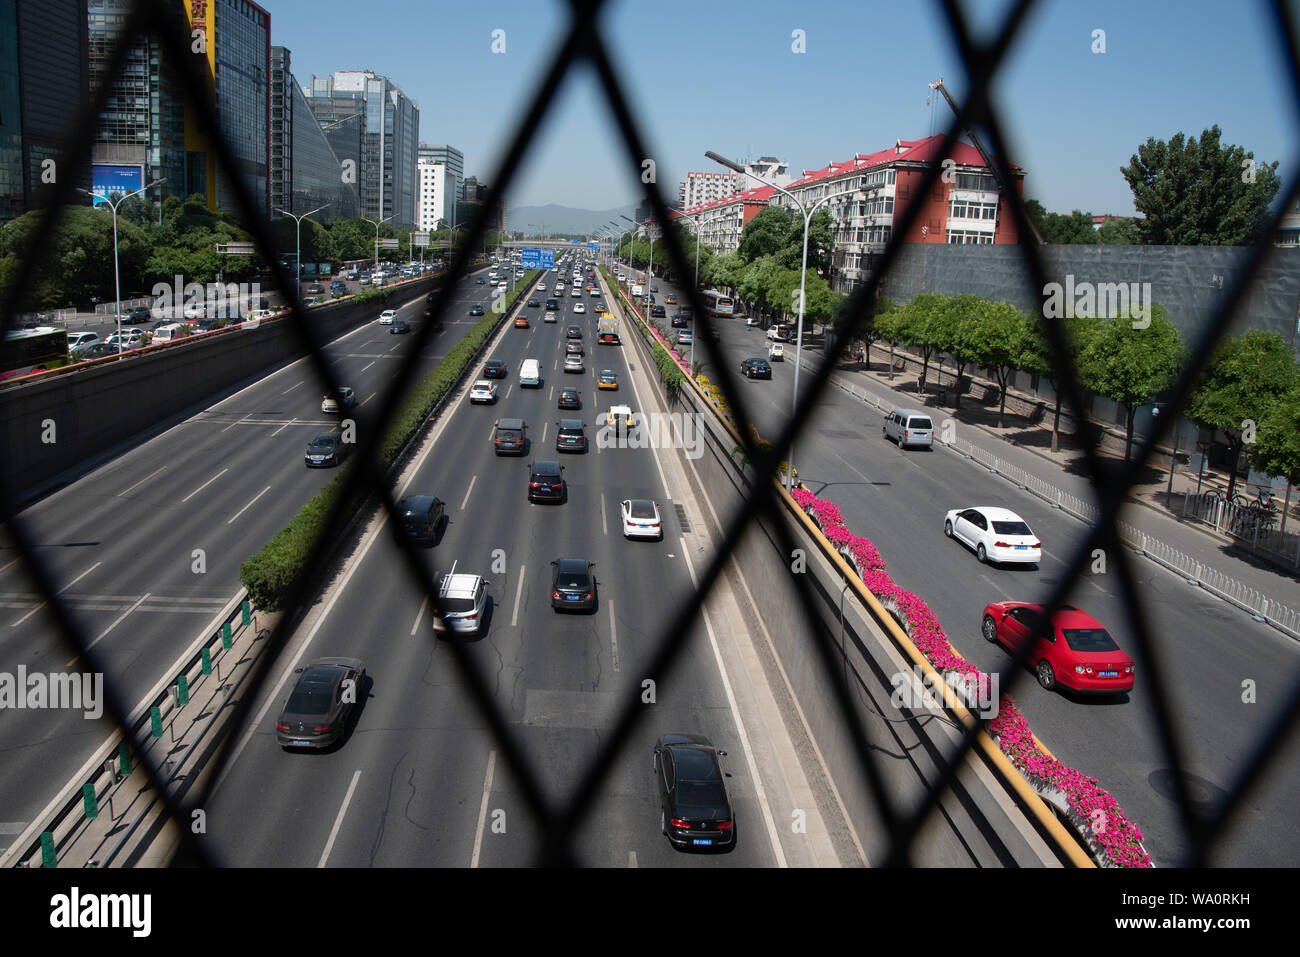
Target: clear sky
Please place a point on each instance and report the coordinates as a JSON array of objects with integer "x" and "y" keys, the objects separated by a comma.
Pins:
[{"x": 723, "y": 75}]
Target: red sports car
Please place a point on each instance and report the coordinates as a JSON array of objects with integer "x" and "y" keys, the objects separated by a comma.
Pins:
[{"x": 1077, "y": 651}]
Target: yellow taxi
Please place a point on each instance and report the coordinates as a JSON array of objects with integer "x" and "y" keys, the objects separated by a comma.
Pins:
[
  {"x": 671, "y": 300},
  {"x": 608, "y": 379},
  {"x": 521, "y": 322}
]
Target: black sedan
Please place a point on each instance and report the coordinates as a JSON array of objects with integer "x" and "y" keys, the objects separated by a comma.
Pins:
[
  {"x": 694, "y": 810},
  {"x": 552, "y": 304},
  {"x": 573, "y": 587},
  {"x": 326, "y": 449},
  {"x": 570, "y": 399},
  {"x": 546, "y": 482},
  {"x": 476, "y": 309},
  {"x": 573, "y": 332},
  {"x": 479, "y": 280},
  {"x": 495, "y": 369},
  {"x": 317, "y": 712},
  {"x": 756, "y": 369},
  {"x": 656, "y": 312},
  {"x": 399, "y": 327},
  {"x": 419, "y": 517},
  {"x": 533, "y": 302}
]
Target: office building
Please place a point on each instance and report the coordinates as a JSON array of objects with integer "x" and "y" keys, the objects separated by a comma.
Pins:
[
  {"x": 306, "y": 173},
  {"x": 441, "y": 173}
]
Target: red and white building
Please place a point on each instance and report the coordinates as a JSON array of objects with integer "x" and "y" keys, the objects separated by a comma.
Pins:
[{"x": 965, "y": 205}]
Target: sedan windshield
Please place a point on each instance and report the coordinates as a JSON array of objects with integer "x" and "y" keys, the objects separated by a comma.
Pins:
[
  {"x": 1010, "y": 528},
  {"x": 308, "y": 702},
  {"x": 1089, "y": 639}
]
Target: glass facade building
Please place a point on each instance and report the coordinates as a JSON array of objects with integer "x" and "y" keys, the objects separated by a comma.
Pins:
[
  {"x": 11, "y": 133},
  {"x": 243, "y": 85},
  {"x": 305, "y": 170}
]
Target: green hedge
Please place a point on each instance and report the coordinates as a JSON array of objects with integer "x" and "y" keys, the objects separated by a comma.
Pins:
[
  {"x": 268, "y": 574},
  {"x": 670, "y": 373}
]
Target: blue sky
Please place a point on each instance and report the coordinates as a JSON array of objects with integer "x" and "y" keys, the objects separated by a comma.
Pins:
[{"x": 722, "y": 75}]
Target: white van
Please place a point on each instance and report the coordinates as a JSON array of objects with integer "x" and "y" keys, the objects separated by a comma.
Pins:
[
  {"x": 530, "y": 374},
  {"x": 170, "y": 332}
]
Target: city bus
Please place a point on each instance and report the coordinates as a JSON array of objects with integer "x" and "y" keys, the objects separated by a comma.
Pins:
[
  {"x": 32, "y": 350},
  {"x": 718, "y": 304}
]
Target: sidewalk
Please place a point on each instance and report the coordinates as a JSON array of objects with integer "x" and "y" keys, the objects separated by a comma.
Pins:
[{"x": 1027, "y": 446}]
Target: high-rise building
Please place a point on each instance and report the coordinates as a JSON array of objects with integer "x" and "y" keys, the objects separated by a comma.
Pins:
[
  {"x": 44, "y": 82},
  {"x": 306, "y": 173},
  {"x": 370, "y": 121},
  {"x": 141, "y": 132},
  {"x": 699, "y": 188},
  {"x": 442, "y": 173}
]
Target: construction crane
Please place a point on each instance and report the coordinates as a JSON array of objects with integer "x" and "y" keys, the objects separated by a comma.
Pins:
[{"x": 984, "y": 154}]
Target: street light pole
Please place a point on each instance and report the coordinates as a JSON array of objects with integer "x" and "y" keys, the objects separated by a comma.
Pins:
[
  {"x": 803, "y": 276},
  {"x": 298, "y": 220},
  {"x": 117, "y": 273},
  {"x": 377, "y": 225}
]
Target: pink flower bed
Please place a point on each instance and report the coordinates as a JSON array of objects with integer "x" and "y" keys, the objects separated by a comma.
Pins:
[
  {"x": 1091, "y": 808},
  {"x": 671, "y": 349}
]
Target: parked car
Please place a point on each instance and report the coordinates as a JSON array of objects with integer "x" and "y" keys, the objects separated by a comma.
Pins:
[
  {"x": 1075, "y": 651},
  {"x": 996, "y": 534},
  {"x": 102, "y": 350},
  {"x": 546, "y": 481},
  {"x": 315, "y": 289},
  {"x": 573, "y": 586},
  {"x": 79, "y": 342},
  {"x": 641, "y": 519},
  {"x": 326, "y": 449},
  {"x": 694, "y": 810},
  {"x": 138, "y": 314},
  {"x": 323, "y": 699}
]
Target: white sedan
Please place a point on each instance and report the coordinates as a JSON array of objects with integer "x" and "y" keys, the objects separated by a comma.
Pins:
[
  {"x": 641, "y": 519},
  {"x": 996, "y": 534},
  {"x": 387, "y": 316},
  {"x": 579, "y": 307},
  {"x": 483, "y": 391}
]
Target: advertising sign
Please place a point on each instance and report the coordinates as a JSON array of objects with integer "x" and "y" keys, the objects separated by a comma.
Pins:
[{"x": 107, "y": 180}]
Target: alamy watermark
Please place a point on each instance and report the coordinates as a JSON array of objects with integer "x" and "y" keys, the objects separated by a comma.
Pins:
[
  {"x": 215, "y": 300},
  {"x": 918, "y": 689},
  {"x": 37, "y": 691},
  {"x": 657, "y": 430},
  {"x": 1105, "y": 299}
]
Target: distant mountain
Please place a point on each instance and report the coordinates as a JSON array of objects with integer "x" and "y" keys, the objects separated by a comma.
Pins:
[{"x": 561, "y": 219}]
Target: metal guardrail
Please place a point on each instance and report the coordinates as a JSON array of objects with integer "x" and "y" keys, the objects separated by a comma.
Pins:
[
  {"x": 67, "y": 820},
  {"x": 1252, "y": 524}
]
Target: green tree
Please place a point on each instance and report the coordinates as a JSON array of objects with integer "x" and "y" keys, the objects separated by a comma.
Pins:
[
  {"x": 914, "y": 325},
  {"x": 1246, "y": 380},
  {"x": 767, "y": 234},
  {"x": 1036, "y": 356},
  {"x": 1035, "y": 213},
  {"x": 1076, "y": 228},
  {"x": 952, "y": 328},
  {"x": 1200, "y": 193},
  {"x": 998, "y": 341},
  {"x": 1277, "y": 446},
  {"x": 1133, "y": 366},
  {"x": 1120, "y": 232}
]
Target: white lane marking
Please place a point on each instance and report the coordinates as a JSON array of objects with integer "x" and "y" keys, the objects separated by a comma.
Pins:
[
  {"x": 368, "y": 398},
  {"x": 338, "y": 821},
  {"x": 135, "y": 486},
  {"x": 368, "y": 365},
  {"x": 420, "y": 615},
  {"x": 204, "y": 485},
  {"x": 551, "y": 395},
  {"x": 292, "y": 387},
  {"x": 472, "y": 480},
  {"x": 604, "y": 526},
  {"x": 740, "y": 724},
  {"x": 613, "y": 636},
  {"x": 631, "y": 858},
  {"x": 248, "y": 506},
  {"x": 15, "y": 624},
  {"x": 545, "y": 425},
  {"x": 519, "y": 589},
  {"x": 78, "y": 578},
  {"x": 9, "y": 565},
  {"x": 104, "y": 634},
  {"x": 238, "y": 421},
  {"x": 482, "y": 809},
  {"x": 283, "y": 427}
]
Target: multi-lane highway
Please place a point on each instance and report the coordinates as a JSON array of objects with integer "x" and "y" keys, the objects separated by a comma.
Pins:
[
  {"x": 147, "y": 548},
  {"x": 1213, "y": 656}
]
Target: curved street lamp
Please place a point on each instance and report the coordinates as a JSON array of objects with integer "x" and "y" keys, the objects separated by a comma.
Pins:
[{"x": 117, "y": 275}]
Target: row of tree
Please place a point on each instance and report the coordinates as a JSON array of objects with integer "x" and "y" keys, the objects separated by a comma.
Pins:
[
  {"x": 158, "y": 241},
  {"x": 1250, "y": 389}
]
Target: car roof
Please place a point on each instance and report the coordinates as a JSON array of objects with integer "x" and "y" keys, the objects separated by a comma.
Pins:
[
  {"x": 910, "y": 412},
  {"x": 510, "y": 423},
  {"x": 570, "y": 423},
  {"x": 416, "y": 503},
  {"x": 495, "y": 362},
  {"x": 997, "y": 513},
  {"x": 546, "y": 465},
  {"x": 458, "y": 585},
  {"x": 1067, "y": 616},
  {"x": 484, "y": 383},
  {"x": 570, "y": 566},
  {"x": 331, "y": 436}
]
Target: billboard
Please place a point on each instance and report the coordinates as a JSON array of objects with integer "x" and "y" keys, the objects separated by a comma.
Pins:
[{"x": 106, "y": 180}]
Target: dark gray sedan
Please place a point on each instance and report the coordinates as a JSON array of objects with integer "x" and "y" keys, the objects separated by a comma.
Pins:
[
  {"x": 318, "y": 709},
  {"x": 694, "y": 810}
]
